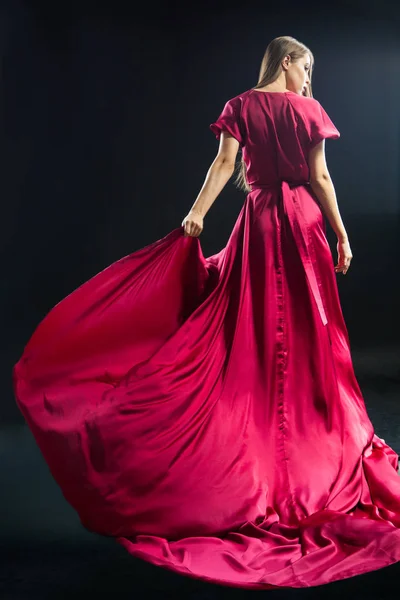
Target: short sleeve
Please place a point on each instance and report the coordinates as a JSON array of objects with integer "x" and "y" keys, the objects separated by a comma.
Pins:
[
  {"x": 320, "y": 125},
  {"x": 229, "y": 120}
]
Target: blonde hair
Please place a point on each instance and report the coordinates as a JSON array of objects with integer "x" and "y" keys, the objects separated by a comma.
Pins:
[{"x": 270, "y": 70}]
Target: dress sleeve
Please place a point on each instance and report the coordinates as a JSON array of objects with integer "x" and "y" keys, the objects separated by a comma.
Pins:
[
  {"x": 320, "y": 125},
  {"x": 229, "y": 120}
]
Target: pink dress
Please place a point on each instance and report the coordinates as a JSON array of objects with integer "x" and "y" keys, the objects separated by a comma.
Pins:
[{"x": 204, "y": 411}]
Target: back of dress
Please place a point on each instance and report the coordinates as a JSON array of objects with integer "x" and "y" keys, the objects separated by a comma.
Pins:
[{"x": 276, "y": 131}]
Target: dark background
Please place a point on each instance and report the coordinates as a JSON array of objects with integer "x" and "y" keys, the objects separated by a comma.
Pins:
[{"x": 105, "y": 145}]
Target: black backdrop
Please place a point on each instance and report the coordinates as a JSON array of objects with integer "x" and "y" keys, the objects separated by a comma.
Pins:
[{"x": 105, "y": 144}]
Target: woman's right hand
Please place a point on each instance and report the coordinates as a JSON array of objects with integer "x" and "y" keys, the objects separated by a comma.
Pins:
[
  {"x": 344, "y": 255},
  {"x": 193, "y": 224}
]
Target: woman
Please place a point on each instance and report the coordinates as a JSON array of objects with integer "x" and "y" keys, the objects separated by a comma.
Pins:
[{"x": 205, "y": 411}]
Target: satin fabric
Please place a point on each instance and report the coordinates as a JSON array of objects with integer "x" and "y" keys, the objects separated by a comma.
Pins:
[
  {"x": 299, "y": 226},
  {"x": 205, "y": 411}
]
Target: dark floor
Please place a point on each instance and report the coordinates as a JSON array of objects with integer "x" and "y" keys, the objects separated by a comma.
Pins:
[
  {"x": 102, "y": 569},
  {"x": 45, "y": 553}
]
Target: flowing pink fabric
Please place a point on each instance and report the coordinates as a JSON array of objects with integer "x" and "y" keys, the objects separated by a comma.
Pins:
[{"x": 205, "y": 411}]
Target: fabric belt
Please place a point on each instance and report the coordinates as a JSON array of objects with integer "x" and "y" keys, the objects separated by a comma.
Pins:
[{"x": 299, "y": 226}]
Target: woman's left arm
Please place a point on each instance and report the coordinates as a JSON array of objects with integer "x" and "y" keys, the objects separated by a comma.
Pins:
[{"x": 219, "y": 173}]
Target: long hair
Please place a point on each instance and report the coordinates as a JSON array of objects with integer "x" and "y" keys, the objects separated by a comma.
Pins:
[{"x": 270, "y": 70}]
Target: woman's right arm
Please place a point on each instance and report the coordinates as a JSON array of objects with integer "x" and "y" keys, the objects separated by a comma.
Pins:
[{"x": 321, "y": 183}]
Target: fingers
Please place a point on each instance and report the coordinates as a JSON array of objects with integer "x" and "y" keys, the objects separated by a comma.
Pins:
[
  {"x": 192, "y": 230},
  {"x": 343, "y": 267},
  {"x": 191, "y": 227}
]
